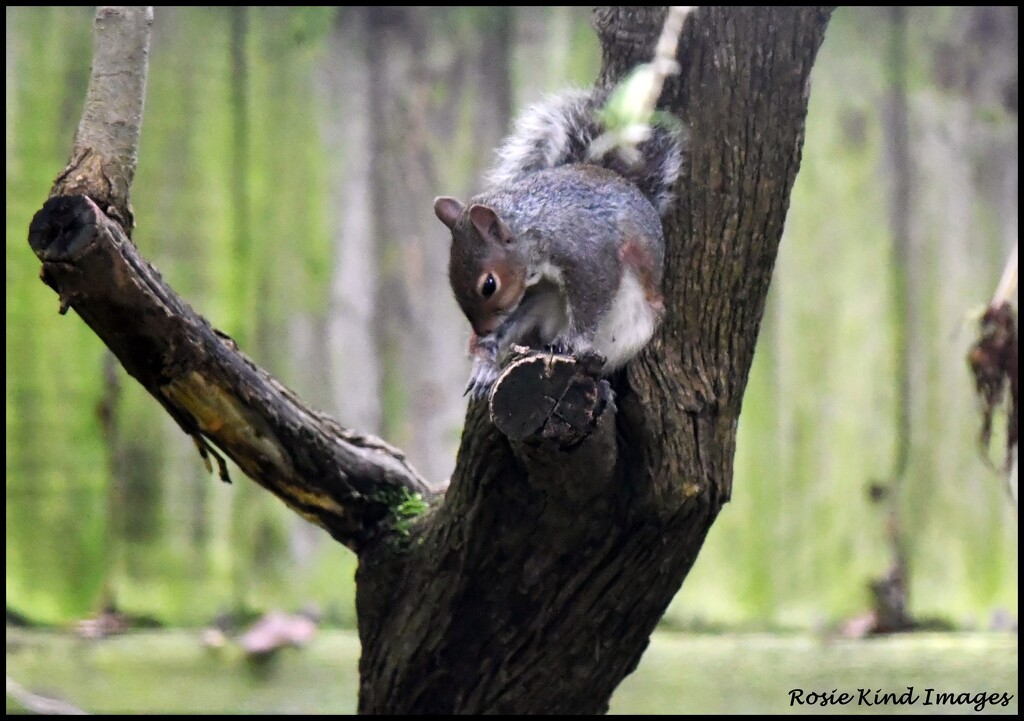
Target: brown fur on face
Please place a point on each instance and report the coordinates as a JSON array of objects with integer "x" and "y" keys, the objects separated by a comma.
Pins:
[{"x": 483, "y": 247}]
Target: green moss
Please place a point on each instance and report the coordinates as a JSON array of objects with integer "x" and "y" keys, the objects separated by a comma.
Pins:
[{"x": 410, "y": 507}]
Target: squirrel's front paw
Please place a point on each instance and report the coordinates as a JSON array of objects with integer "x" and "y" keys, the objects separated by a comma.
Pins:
[
  {"x": 558, "y": 348},
  {"x": 481, "y": 378}
]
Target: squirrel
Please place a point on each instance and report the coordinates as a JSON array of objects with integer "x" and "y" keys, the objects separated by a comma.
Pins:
[{"x": 564, "y": 248}]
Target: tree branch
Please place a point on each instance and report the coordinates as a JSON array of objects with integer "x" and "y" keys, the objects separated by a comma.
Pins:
[
  {"x": 343, "y": 481},
  {"x": 355, "y": 486},
  {"x": 1007, "y": 281},
  {"x": 105, "y": 153}
]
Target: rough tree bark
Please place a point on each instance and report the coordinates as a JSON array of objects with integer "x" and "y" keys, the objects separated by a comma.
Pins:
[{"x": 534, "y": 582}]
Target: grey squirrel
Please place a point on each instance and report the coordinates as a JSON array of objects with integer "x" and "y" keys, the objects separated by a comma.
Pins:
[{"x": 564, "y": 248}]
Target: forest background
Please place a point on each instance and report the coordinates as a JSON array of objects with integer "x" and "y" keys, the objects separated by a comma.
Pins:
[{"x": 287, "y": 166}]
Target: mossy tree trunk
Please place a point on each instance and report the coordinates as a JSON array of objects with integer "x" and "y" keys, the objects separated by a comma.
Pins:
[{"x": 533, "y": 582}]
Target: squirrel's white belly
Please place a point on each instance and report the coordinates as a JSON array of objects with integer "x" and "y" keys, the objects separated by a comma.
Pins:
[
  {"x": 629, "y": 324},
  {"x": 625, "y": 329}
]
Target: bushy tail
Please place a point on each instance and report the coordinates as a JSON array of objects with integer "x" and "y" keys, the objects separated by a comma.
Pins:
[{"x": 561, "y": 130}]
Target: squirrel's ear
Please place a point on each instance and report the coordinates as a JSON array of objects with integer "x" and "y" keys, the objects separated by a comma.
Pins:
[
  {"x": 447, "y": 211},
  {"x": 489, "y": 224}
]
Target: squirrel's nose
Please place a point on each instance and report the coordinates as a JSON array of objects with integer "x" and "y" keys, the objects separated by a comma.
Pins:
[{"x": 487, "y": 325}]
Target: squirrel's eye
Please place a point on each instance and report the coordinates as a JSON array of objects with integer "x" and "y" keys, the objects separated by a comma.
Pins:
[{"x": 488, "y": 285}]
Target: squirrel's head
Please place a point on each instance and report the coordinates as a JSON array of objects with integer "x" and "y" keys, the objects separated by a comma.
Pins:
[{"x": 486, "y": 270}]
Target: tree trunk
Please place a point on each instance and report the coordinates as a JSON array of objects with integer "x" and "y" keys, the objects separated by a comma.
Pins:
[{"x": 533, "y": 584}]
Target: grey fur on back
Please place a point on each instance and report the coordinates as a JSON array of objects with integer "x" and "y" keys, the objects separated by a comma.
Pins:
[{"x": 560, "y": 129}]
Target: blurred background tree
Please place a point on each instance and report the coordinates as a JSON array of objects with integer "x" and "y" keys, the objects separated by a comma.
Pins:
[{"x": 311, "y": 143}]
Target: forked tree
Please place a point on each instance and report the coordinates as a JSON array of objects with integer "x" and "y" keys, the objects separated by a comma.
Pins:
[{"x": 533, "y": 581}]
